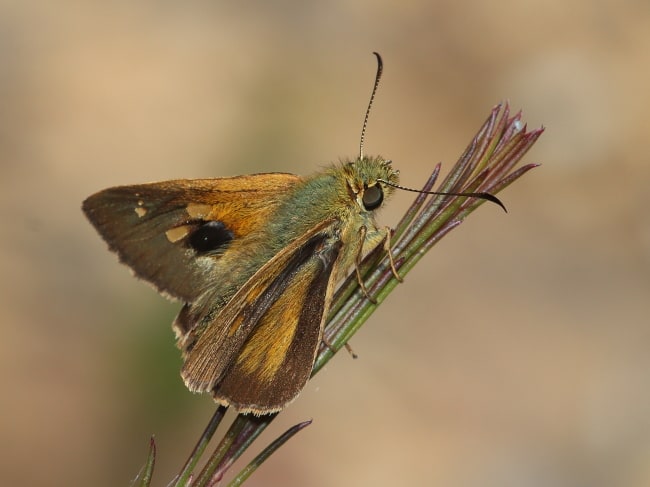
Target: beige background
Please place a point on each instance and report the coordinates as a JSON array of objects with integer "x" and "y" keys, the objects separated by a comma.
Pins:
[{"x": 517, "y": 353}]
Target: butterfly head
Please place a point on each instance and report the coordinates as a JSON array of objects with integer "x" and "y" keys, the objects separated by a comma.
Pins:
[{"x": 366, "y": 180}]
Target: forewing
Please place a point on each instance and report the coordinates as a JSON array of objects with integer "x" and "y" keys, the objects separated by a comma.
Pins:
[
  {"x": 173, "y": 233},
  {"x": 258, "y": 352}
]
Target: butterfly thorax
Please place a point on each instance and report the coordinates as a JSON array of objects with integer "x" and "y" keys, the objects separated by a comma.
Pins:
[{"x": 336, "y": 195}]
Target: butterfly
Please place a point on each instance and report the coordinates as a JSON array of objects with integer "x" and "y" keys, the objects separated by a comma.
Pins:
[{"x": 255, "y": 259}]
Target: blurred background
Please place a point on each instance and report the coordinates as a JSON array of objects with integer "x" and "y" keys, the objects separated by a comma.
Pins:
[{"x": 516, "y": 353}]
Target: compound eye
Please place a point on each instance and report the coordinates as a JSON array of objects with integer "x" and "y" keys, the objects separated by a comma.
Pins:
[{"x": 373, "y": 197}]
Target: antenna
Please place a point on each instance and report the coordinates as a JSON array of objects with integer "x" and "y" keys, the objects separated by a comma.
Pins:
[
  {"x": 481, "y": 195},
  {"x": 380, "y": 69}
]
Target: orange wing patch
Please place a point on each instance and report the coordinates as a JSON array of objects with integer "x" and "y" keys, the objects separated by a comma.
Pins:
[
  {"x": 162, "y": 215},
  {"x": 266, "y": 348}
]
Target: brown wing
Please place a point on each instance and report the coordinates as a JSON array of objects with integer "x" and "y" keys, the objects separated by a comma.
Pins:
[
  {"x": 159, "y": 229},
  {"x": 258, "y": 352}
]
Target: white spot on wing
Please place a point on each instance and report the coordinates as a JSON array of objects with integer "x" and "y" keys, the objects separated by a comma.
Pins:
[{"x": 140, "y": 210}]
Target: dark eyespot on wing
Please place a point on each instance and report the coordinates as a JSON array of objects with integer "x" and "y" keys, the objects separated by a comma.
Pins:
[{"x": 209, "y": 236}]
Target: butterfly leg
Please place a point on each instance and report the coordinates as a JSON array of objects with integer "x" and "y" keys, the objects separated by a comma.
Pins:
[
  {"x": 347, "y": 346},
  {"x": 357, "y": 265},
  {"x": 387, "y": 248}
]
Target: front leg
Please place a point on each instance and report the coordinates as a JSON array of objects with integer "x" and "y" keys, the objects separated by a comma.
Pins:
[{"x": 385, "y": 237}]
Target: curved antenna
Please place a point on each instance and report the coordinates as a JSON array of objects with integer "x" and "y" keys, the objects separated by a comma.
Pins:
[
  {"x": 380, "y": 69},
  {"x": 482, "y": 195}
]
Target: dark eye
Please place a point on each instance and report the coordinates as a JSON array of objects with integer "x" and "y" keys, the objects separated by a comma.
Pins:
[
  {"x": 210, "y": 236},
  {"x": 373, "y": 197}
]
